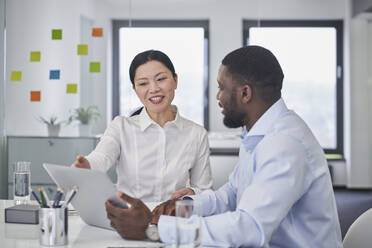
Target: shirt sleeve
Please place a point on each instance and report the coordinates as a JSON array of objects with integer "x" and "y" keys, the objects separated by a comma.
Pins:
[
  {"x": 107, "y": 151},
  {"x": 200, "y": 173},
  {"x": 279, "y": 180},
  {"x": 224, "y": 199}
]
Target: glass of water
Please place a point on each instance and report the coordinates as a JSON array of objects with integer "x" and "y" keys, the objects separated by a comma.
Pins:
[
  {"x": 21, "y": 182},
  {"x": 188, "y": 231}
]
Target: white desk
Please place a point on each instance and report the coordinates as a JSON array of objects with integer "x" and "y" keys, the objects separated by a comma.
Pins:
[{"x": 80, "y": 235}]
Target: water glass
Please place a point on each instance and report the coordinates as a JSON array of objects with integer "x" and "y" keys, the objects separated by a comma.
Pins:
[
  {"x": 21, "y": 182},
  {"x": 188, "y": 231}
]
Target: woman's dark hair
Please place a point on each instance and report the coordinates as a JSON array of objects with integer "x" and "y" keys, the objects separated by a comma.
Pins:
[
  {"x": 146, "y": 56},
  {"x": 136, "y": 112},
  {"x": 257, "y": 67}
]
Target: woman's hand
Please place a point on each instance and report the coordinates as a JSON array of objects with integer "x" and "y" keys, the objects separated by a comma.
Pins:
[
  {"x": 181, "y": 193},
  {"x": 81, "y": 162}
]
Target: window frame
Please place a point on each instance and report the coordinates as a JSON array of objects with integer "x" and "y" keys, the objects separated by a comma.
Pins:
[
  {"x": 117, "y": 24},
  {"x": 338, "y": 152}
]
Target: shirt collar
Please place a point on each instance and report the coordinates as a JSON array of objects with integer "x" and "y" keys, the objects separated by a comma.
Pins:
[
  {"x": 263, "y": 124},
  {"x": 145, "y": 120},
  {"x": 252, "y": 137}
]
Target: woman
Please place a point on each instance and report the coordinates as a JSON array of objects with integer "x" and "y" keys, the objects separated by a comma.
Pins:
[{"x": 160, "y": 153}]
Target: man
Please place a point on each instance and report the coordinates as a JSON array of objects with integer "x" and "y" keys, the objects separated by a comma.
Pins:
[{"x": 280, "y": 193}]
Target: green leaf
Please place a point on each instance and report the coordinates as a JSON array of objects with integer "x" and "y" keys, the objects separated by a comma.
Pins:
[{"x": 84, "y": 115}]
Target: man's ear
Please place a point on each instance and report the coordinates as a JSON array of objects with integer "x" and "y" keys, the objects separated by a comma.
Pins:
[{"x": 246, "y": 93}]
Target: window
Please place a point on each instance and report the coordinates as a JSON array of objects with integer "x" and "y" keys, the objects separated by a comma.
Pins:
[
  {"x": 185, "y": 42},
  {"x": 310, "y": 53}
]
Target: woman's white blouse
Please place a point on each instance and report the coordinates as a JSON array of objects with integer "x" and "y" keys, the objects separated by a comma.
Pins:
[{"x": 154, "y": 162}]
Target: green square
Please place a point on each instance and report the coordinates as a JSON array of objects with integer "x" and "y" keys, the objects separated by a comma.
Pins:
[
  {"x": 35, "y": 56},
  {"x": 71, "y": 88},
  {"x": 16, "y": 76},
  {"x": 56, "y": 34},
  {"x": 95, "y": 67},
  {"x": 82, "y": 49}
]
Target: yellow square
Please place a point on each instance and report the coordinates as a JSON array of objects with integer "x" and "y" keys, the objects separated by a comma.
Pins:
[
  {"x": 16, "y": 76},
  {"x": 71, "y": 88},
  {"x": 82, "y": 49},
  {"x": 56, "y": 34},
  {"x": 35, "y": 56},
  {"x": 94, "y": 67}
]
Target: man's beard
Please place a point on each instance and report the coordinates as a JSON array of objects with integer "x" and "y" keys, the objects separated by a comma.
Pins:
[{"x": 233, "y": 119}]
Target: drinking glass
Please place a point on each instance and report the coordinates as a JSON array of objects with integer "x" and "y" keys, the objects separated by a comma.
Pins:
[
  {"x": 21, "y": 182},
  {"x": 188, "y": 231}
]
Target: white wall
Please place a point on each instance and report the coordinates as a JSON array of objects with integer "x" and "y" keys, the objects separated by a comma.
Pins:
[
  {"x": 29, "y": 25},
  {"x": 359, "y": 172},
  {"x": 357, "y": 100},
  {"x": 369, "y": 85},
  {"x": 3, "y": 162}
]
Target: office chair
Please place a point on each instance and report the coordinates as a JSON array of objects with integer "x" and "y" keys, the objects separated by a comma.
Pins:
[{"x": 359, "y": 233}]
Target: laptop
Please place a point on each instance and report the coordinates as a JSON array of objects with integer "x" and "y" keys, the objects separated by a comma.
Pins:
[{"x": 94, "y": 188}]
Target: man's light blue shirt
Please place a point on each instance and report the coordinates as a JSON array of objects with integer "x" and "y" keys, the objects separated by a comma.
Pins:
[{"x": 279, "y": 195}]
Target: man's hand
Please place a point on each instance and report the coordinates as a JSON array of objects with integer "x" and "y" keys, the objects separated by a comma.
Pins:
[
  {"x": 181, "y": 193},
  {"x": 130, "y": 223},
  {"x": 166, "y": 208},
  {"x": 81, "y": 162}
]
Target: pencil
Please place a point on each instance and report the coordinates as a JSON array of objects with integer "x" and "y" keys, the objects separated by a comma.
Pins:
[
  {"x": 45, "y": 195},
  {"x": 35, "y": 196},
  {"x": 70, "y": 197},
  {"x": 58, "y": 197},
  {"x": 42, "y": 198}
]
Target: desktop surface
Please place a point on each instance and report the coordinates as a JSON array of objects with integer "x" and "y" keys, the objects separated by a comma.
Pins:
[{"x": 80, "y": 235}]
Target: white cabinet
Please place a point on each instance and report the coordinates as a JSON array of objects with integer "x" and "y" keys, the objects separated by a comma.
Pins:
[
  {"x": 39, "y": 150},
  {"x": 222, "y": 166},
  {"x": 224, "y": 155}
]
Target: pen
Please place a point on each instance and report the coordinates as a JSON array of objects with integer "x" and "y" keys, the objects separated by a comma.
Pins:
[
  {"x": 69, "y": 197},
  {"x": 35, "y": 196},
  {"x": 57, "y": 198}
]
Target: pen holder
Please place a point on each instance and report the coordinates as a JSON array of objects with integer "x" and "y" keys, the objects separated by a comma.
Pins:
[{"x": 53, "y": 226}]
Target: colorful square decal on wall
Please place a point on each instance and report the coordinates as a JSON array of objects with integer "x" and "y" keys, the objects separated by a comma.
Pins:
[
  {"x": 95, "y": 67},
  {"x": 82, "y": 49},
  {"x": 35, "y": 56},
  {"x": 35, "y": 96},
  {"x": 56, "y": 34},
  {"x": 16, "y": 76},
  {"x": 71, "y": 88},
  {"x": 54, "y": 74},
  {"x": 97, "y": 32}
]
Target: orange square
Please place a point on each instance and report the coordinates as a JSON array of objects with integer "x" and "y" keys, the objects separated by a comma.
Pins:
[
  {"x": 97, "y": 32},
  {"x": 35, "y": 96}
]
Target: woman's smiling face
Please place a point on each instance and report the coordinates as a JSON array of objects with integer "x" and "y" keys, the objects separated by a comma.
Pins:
[{"x": 154, "y": 85}]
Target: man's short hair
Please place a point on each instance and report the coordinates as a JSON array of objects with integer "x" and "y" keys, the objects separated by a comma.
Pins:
[{"x": 257, "y": 67}]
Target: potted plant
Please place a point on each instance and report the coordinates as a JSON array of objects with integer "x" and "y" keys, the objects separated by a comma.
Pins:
[
  {"x": 85, "y": 117},
  {"x": 53, "y": 125}
]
